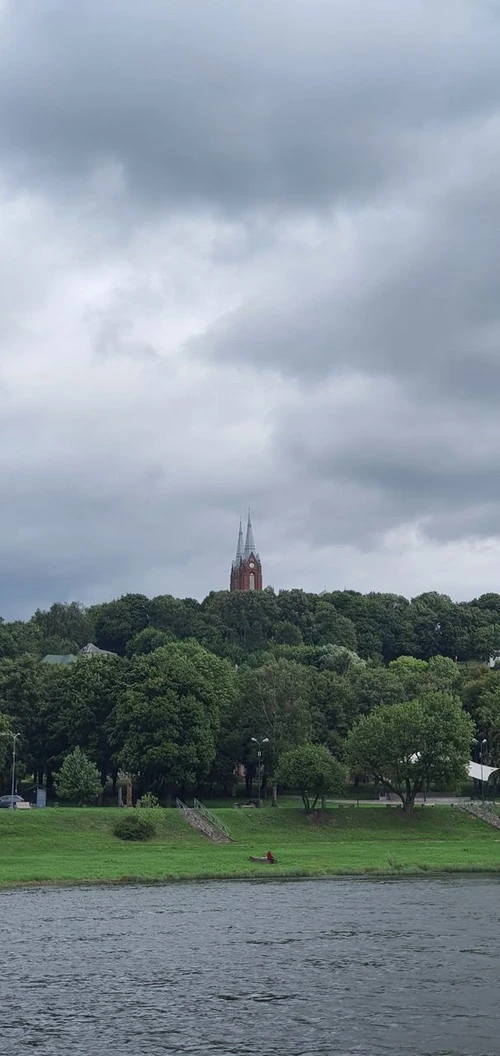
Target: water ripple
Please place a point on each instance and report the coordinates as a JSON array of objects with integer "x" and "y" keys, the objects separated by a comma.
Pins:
[{"x": 344, "y": 967}]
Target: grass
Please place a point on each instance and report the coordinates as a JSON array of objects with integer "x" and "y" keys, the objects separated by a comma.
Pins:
[{"x": 77, "y": 845}]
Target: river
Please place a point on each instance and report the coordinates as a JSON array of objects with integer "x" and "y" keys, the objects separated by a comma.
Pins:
[{"x": 341, "y": 967}]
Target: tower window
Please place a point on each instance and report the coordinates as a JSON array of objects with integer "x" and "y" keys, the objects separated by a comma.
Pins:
[{"x": 251, "y": 581}]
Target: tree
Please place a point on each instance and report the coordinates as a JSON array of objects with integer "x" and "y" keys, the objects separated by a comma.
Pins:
[
  {"x": 313, "y": 771},
  {"x": 147, "y": 641},
  {"x": 166, "y": 723},
  {"x": 331, "y": 628},
  {"x": 21, "y": 699},
  {"x": 413, "y": 745},
  {"x": 69, "y": 622},
  {"x": 78, "y": 780},
  {"x": 5, "y": 748},
  {"x": 83, "y": 698},
  {"x": 332, "y": 707},
  {"x": 243, "y": 619},
  {"x": 274, "y": 703},
  {"x": 118, "y": 621},
  {"x": 411, "y": 674}
]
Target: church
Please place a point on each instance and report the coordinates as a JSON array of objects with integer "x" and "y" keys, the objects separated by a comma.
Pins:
[{"x": 246, "y": 569}]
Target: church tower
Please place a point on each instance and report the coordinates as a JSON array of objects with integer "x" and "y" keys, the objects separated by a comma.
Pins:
[{"x": 246, "y": 569}]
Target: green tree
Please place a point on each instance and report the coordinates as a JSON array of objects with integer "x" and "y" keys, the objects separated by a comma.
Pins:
[
  {"x": 331, "y": 628},
  {"x": 332, "y": 708},
  {"x": 166, "y": 724},
  {"x": 78, "y": 780},
  {"x": 286, "y": 633},
  {"x": 411, "y": 674},
  {"x": 313, "y": 771},
  {"x": 412, "y": 746},
  {"x": 22, "y": 683},
  {"x": 274, "y": 703},
  {"x": 65, "y": 622},
  {"x": 83, "y": 697},
  {"x": 239, "y": 619},
  {"x": 373, "y": 686},
  {"x": 147, "y": 641},
  {"x": 117, "y": 622},
  {"x": 178, "y": 617},
  {"x": 5, "y": 747},
  {"x": 18, "y": 638}
]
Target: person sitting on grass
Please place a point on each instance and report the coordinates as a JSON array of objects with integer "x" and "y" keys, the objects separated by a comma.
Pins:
[{"x": 270, "y": 857}]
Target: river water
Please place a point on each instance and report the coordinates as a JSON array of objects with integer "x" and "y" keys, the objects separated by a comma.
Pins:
[{"x": 351, "y": 968}]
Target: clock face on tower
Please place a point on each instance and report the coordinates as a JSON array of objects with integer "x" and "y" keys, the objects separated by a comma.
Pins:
[{"x": 251, "y": 564}]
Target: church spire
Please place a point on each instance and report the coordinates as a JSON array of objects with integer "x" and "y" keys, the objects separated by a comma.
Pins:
[
  {"x": 246, "y": 567},
  {"x": 249, "y": 541},
  {"x": 239, "y": 548}
]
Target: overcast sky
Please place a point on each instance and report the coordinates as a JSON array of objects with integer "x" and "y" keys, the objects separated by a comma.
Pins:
[{"x": 249, "y": 254}]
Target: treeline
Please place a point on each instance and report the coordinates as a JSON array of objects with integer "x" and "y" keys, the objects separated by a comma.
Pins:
[
  {"x": 182, "y": 720},
  {"x": 249, "y": 627}
]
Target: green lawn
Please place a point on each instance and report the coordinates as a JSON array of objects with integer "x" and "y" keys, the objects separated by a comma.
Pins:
[{"x": 71, "y": 845}]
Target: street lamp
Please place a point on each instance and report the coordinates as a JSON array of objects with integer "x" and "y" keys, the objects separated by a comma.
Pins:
[
  {"x": 483, "y": 742},
  {"x": 259, "y": 742},
  {"x": 15, "y": 738}
]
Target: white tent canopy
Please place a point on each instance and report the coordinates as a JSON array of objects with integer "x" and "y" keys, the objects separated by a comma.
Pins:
[
  {"x": 476, "y": 771},
  {"x": 481, "y": 773}
]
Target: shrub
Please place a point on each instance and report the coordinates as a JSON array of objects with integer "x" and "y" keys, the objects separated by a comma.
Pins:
[
  {"x": 148, "y": 801},
  {"x": 134, "y": 826}
]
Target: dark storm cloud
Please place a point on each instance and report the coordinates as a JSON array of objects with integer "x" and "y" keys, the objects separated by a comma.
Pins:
[{"x": 284, "y": 103}]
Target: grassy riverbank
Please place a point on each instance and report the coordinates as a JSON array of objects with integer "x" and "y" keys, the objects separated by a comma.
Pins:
[{"x": 71, "y": 846}]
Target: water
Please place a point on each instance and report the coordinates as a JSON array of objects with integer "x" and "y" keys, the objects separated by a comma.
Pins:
[{"x": 351, "y": 968}]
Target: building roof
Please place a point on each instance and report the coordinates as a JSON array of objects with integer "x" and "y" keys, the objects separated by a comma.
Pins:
[
  {"x": 69, "y": 658},
  {"x": 55, "y": 658},
  {"x": 93, "y": 650}
]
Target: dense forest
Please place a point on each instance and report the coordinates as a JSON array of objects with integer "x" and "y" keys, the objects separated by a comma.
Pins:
[
  {"x": 191, "y": 683},
  {"x": 241, "y": 626}
]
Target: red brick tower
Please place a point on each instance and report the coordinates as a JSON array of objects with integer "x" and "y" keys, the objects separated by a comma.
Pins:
[{"x": 246, "y": 569}]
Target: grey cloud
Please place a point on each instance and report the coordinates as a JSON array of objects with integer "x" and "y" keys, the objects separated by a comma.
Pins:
[
  {"x": 237, "y": 105},
  {"x": 419, "y": 302},
  {"x": 348, "y": 387},
  {"x": 371, "y": 462}
]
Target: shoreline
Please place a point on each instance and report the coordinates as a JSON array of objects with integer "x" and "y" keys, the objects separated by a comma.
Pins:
[{"x": 411, "y": 873}]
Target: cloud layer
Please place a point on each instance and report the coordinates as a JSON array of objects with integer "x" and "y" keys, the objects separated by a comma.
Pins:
[{"x": 248, "y": 254}]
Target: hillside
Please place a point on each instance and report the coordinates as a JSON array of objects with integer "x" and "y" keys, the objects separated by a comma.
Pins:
[{"x": 72, "y": 845}]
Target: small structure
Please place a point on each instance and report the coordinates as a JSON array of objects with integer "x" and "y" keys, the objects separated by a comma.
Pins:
[
  {"x": 93, "y": 650},
  {"x": 88, "y": 650},
  {"x": 38, "y": 796},
  {"x": 481, "y": 772},
  {"x": 55, "y": 658}
]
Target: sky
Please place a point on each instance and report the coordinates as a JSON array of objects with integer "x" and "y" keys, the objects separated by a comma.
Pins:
[{"x": 249, "y": 255}]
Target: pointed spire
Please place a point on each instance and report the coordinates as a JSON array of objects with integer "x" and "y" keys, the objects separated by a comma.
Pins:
[
  {"x": 239, "y": 548},
  {"x": 249, "y": 541}
]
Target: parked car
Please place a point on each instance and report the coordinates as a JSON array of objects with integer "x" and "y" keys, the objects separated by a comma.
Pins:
[{"x": 8, "y": 801}]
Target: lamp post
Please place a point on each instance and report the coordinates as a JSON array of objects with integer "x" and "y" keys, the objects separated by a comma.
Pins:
[
  {"x": 15, "y": 738},
  {"x": 483, "y": 742},
  {"x": 259, "y": 742}
]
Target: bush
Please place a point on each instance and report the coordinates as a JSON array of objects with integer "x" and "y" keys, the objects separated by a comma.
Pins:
[
  {"x": 148, "y": 801},
  {"x": 134, "y": 826}
]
